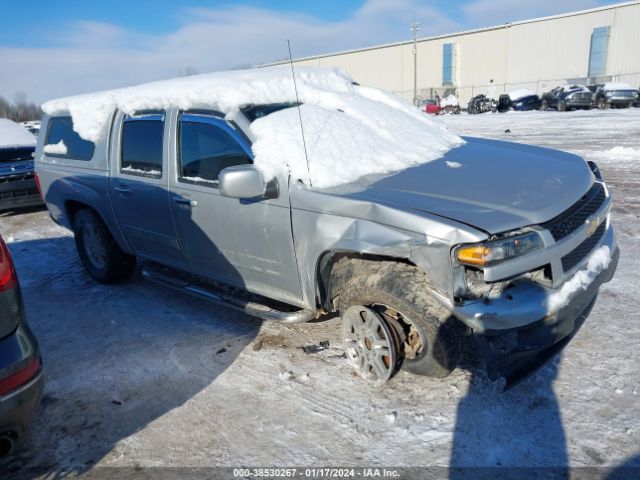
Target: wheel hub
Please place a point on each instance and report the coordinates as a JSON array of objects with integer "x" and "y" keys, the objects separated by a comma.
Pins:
[
  {"x": 94, "y": 248},
  {"x": 369, "y": 344}
]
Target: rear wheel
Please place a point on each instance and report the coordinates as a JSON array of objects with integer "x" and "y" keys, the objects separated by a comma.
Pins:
[
  {"x": 98, "y": 251},
  {"x": 421, "y": 335}
]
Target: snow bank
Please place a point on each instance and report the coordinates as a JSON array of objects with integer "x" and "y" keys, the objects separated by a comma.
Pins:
[
  {"x": 621, "y": 153},
  {"x": 56, "y": 148},
  {"x": 518, "y": 94},
  {"x": 598, "y": 262},
  {"x": 13, "y": 135},
  {"x": 449, "y": 101},
  {"x": 617, "y": 86},
  {"x": 350, "y": 131}
]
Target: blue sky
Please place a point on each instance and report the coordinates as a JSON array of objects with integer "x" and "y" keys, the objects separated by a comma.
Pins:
[{"x": 81, "y": 46}]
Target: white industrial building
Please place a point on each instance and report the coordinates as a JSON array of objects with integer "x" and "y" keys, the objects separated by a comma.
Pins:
[{"x": 588, "y": 46}]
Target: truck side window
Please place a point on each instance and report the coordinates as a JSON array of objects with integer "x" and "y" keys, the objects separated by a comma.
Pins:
[
  {"x": 206, "y": 149},
  {"x": 142, "y": 145},
  {"x": 60, "y": 129}
]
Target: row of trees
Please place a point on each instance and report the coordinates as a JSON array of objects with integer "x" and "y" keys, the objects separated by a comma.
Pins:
[{"x": 20, "y": 110}]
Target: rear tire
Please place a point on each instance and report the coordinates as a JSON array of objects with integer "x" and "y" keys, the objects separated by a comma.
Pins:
[
  {"x": 100, "y": 254},
  {"x": 431, "y": 338}
]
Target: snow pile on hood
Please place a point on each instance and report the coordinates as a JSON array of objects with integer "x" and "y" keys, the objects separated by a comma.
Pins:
[
  {"x": 56, "y": 148},
  {"x": 13, "y": 135},
  {"x": 617, "y": 86},
  {"x": 518, "y": 94},
  {"x": 598, "y": 262},
  {"x": 350, "y": 131},
  {"x": 449, "y": 101}
]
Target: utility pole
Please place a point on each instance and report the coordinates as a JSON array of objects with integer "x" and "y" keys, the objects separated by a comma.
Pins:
[{"x": 415, "y": 26}]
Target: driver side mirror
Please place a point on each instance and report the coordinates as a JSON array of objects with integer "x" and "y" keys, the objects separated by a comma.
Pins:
[{"x": 245, "y": 182}]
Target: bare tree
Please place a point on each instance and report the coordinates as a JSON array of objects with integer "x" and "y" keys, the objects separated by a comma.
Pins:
[
  {"x": 189, "y": 71},
  {"x": 21, "y": 110}
]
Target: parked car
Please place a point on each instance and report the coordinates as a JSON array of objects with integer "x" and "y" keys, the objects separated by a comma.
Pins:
[
  {"x": 450, "y": 105},
  {"x": 21, "y": 381},
  {"x": 615, "y": 95},
  {"x": 17, "y": 182},
  {"x": 521, "y": 100},
  {"x": 481, "y": 104},
  {"x": 432, "y": 106},
  {"x": 481, "y": 244},
  {"x": 568, "y": 97}
]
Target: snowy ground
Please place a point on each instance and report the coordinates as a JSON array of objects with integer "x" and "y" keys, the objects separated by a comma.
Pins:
[{"x": 139, "y": 376}]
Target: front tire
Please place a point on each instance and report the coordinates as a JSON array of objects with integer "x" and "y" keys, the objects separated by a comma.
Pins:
[
  {"x": 430, "y": 338},
  {"x": 100, "y": 254}
]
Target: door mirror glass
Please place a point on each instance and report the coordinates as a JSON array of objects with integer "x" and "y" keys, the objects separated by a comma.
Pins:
[{"x": 245, "y": 181}]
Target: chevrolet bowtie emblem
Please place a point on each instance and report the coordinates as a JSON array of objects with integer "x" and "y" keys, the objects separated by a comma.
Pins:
[{"x": 592, "y": 224}]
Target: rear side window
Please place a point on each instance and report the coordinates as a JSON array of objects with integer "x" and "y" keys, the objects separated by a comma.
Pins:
[
  {"x": 60, "y": 129},
  {"x": 206, "y": 149},
  {"x": 142, "y": 145}
]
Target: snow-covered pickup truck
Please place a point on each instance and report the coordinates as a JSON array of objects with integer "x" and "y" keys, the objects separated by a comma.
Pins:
[
  {"x": 17, "y": 183},
  {"x": 293, "y": 200}
]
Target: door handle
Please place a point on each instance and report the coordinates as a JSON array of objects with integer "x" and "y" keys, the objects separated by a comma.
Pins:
[
  {"x": 185, "y": 201},
  {"x": 122, "y": 189}
]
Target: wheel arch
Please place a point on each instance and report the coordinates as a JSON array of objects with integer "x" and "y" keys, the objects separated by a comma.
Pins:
[
  {"x": 72, "y": 206},
  {"x": 325, "y": 280}
]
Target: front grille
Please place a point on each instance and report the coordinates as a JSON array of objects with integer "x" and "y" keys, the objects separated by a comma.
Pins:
[
  {"x": 18, "y": 193},
  {"x": 570, "y": 220},
  {"x": 582, "y": 96},
  {"x": 576, "y": 255},
  {"x": 16, "y": 177}
]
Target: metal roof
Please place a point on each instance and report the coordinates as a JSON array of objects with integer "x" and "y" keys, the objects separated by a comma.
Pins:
[{"x": 457, "y": 34}]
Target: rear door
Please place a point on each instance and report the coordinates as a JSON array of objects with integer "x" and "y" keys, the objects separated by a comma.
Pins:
[
  {"x": 245, "y": 243},
  {"x": 138, "y": 186}
]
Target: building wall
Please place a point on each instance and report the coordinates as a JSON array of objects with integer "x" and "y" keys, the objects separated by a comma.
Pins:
[{"x": 538, "y": 55}]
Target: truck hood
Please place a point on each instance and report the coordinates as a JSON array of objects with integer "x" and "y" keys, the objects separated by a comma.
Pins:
[{"x": 492, "y": 185}]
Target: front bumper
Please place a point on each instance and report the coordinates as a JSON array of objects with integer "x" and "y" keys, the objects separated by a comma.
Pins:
[
  {"x": 623, "y": 102},
  {"x": 17, "y": 406},
  {"x": 517, "y": 332},
  {"x": 18, "y": 191},
  {"x": 579, "y": 103}
]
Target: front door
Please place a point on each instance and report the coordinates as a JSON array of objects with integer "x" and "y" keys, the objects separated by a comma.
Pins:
[
  {"x": 138, "y": 187},
  {"x": 247, "y": 244}
]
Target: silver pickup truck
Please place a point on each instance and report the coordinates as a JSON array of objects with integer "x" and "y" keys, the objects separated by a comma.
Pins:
[{"x": 499, "y": 243}]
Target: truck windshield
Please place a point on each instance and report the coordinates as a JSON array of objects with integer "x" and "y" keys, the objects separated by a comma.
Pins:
[
  {"x": 253, "y": 112},
  {"x": 16, "y": 154}
]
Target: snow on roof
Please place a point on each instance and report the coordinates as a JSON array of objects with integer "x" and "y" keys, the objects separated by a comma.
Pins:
[
  {"x": 575, "y": 88},
  {"x": 518, "y": 94},
  {"x": 617, "y": 86},
  {"x": 350, "y": 131},
  {"x": 13, "y": 135}
]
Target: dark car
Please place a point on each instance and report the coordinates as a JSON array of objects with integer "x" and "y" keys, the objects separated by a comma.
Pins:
[
  {"x": 17, "y": 182},
  {"x": 516, "y": 102},
  {"x": 21, "y": 381},
  {"x": 481, "y": 104},
  {"x": 615, "y": 95},
  {"x": 568, "y": 98}
]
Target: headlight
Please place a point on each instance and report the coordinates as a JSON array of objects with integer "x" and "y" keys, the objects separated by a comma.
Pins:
[{"x": 488, "y": 253}]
